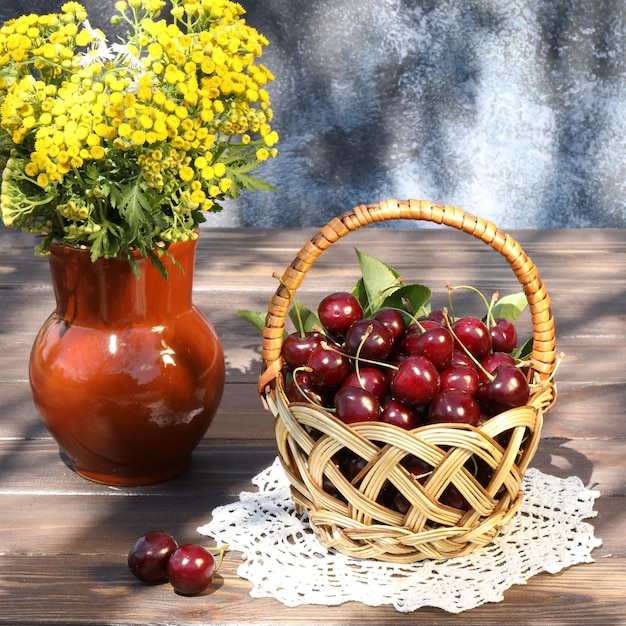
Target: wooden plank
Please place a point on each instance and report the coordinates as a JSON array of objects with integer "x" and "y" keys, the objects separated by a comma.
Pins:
[
  {"x": 39, "y": 595},
  {"x": 588, "y": 310},
  {"x": 250, "y": 253},
  {"x": 117, "y": 520},
  {"x": 37, "y": 465}
]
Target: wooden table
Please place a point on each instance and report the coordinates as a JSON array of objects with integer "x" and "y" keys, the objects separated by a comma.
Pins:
[{"x": 64, "y": 540}]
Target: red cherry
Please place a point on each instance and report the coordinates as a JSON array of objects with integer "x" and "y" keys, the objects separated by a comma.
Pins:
[
  {"x": 455, "y": 406},
  {"x": 491, "y": 362},
  {"x": 436, "y": 344},
  {"x": 419, "y": 468},
  {"x": 452, "y": 497},
  {"x": 393, "y": 321},
  {"x": 460, "y": 357},
  {"x": 297, "y": 348},
  {"x": 508, "y": 389},
  {"x": 503, "y": 335},
  {"x": 394, "y": 499},
  {"x": 148, "y": 557},
  {"x": 437, "y": 315},
  {"x": 370, "y": 339},
  {"x": 398, "y": 414},
  {"x": 338, "y": 311},
  {"x": 415, "y": 330},
  {"x": 190, "y": 569},
  {"x": 301, "y": 389},
  {"x": 370, "y": 378},
  {"x": 416, "y": 381},
  {"x": 474, "y": 335},
  {"x": 352, "y": 465},
  {"x": 460, "y": 377},
  {"x": 355, "y": 404},
  {"x": 328, "y": 367}
]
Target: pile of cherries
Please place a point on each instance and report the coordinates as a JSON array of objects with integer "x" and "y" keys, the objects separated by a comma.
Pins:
[
  {"x": 381, "y": 368},
  {"x": 410, "y": 372},
  {"x": 156, "y": 557}
]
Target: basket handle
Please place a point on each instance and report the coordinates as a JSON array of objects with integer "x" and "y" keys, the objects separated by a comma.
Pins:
[{"x": 544, "y": 348}]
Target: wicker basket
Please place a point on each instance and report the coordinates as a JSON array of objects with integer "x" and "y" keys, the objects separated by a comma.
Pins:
[{"x": 358, "y": 524}]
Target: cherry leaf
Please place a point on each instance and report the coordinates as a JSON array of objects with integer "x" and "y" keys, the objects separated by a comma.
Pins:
[
  {"x": 379, "y": 280},
  {"x": 524, "y": 352},
  {"x": 510, "y": 307},
  {"x": 302, "y": 317},
  {"x": 256, "y": 318},
  {"x": 411, "y": 298}
]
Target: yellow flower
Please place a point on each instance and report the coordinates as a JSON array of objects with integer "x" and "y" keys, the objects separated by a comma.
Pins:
[
  {"x": 31, "y": 169},
  {"x": 200, "y": 163},
  {"x": 155, "y": 50},
  {"x": 84, "y": 37},
  {"x": 186, "y": 173},
  {"x": 138, "y": 137},
  {"x": 271, "y": 138},
  {"x": 173, "y": 104},
  {"x": 198, "y": 196},
  {"x": 97, "y": 152}
]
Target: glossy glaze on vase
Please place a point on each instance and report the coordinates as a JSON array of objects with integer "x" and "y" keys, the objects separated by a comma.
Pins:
[{"x": 127, "y": 374}]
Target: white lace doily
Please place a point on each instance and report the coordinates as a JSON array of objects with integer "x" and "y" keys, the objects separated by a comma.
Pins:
[{"x": 284, "y": 560}]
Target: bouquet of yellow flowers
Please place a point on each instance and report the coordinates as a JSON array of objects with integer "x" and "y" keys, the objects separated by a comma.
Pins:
[{"x": 125, "y": 146}]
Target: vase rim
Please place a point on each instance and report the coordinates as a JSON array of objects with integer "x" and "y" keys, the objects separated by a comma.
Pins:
[{"x": 135, "y": 252}]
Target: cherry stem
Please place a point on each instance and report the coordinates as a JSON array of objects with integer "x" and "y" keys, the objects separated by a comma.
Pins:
[
  {"x": 357, "y": 365},
  {"x": 478, "y": 364},
  {"x": 369, "y": 309},
  {"x": 490, "y": 319},
  {"x": 220, "y": 554},
  {"x": 488, "y": 306},
  {"x": 327, "y": 346},
  {"x": 310, "y": 400}
]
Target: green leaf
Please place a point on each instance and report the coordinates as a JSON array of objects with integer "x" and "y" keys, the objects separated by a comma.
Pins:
[
  {"x": 135, "y": 207},
  {"x": 510, "y": 307},
  {"x": 156, "y": 261},
  {"x": 256, "y": 318},
  {"x": 524, "y": 351},
  {"x": 412, "y": 298},
  {"x": 379, "y": 281},
  {"x": 303, "y": 318},
  {"x": 358, "y": 291}
]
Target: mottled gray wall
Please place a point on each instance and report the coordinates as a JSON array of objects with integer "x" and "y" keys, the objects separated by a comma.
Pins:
[{"x": 511, "y": 109}]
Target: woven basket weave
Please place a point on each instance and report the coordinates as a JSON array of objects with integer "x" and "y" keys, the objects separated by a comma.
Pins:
[{"x": 358, "y": 524}]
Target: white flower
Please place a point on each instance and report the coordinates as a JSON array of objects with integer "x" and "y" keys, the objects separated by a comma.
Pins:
[
  {"x": 126, "y": 56},
  {"x": 99, "y": 51}
]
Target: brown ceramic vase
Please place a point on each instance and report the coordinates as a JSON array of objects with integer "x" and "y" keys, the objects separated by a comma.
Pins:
[{"x": 127, "y": 374}]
